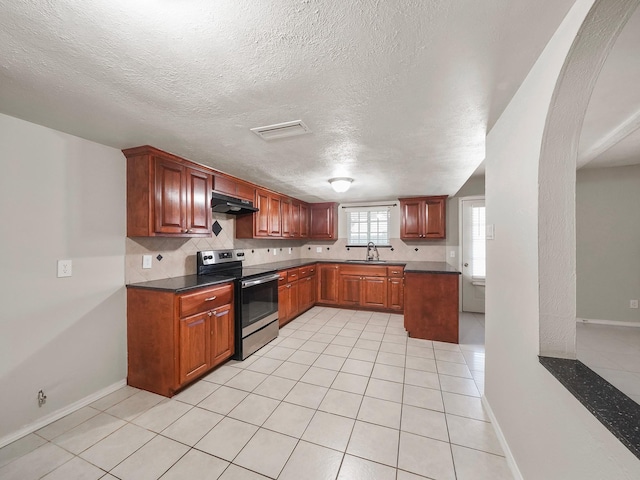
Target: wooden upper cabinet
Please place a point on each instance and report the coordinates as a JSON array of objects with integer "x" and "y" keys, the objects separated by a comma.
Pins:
[
  {"x": 233, "y": 187},
  {"x": 323, "y": 221},
  {"x": 166, "y": 195},
  {"x": 423, "y": 218},
  {"x": 275, "y": 216},
  {"x": 261, "y": 218},
  {"x": 304, "y": 220},
  {"x": 285, "y": 211}
]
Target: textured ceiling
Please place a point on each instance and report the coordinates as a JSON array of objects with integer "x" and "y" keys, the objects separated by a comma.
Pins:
[{"x": 399, "y": 94}]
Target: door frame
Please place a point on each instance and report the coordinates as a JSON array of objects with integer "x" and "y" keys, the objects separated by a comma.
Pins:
[{"x": 460, "y": 223}]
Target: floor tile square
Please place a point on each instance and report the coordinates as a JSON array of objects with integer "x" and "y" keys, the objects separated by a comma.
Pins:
[
  {"x": 421, "y": 379},
  {"x": 304, "y": 358},
  {"x": 388, "y": 372},
  {"x": 319, "y": 376},
  {"x": 192, "y": 426},
  {"x": 112, "y": 450},
  {"x": 36, "y": 464},
  {"x": 397, "y": 348},
  {"x": 344, "y": 341},
  {"x": 162, "y": 415},
  {"x": 374, "y": 442},
  {"x": 463, "y": 386},
  {"x": 196, "y": 465},
  {"x": 385, "y": 390},
  {"x": 110, "y": 400},
  {"x": 151, "y": 461},
  {"x": 223, "y": 400},
  {"x": 198, "y": 391},
  {"x": 302, "y": 334},
  {"x": 227, "y": 438},
  {"x": 369, "y": 335},
  {"x": 337, "y": 351},
  {"x": 19, "y": 448},
  {"x": 311, "y": 462},
  {"x": 292, "y": 371},
  {"x": 254, "y": 409},
  {"x": 420, "y": 352},
  {"x": 419, "y": 342},
  {"x": 354, "y": 468},
  {"x": 380, "y": 412},
  {"x": 424, "y": 364},
  {"x": 453, "y": 369},
  {"x": 350, "y": 382},
  {"x": 329, "y": 361},
  {"x": 279, "y": 353},
  {"x": 347, "y": 332},
  {"x": 449, "y": 356},
  {"x": 400, "y": 339},
  {"x": 290, "y": 419},
  {"x": 265, "y": 365},
  {"x": 363, "y": 354},
  {"x": 275, "y": 387},
  {"x": 464, "y": 406},
  {"x": 425, "y": 456},
  {"x": 357, "y": 367},
  {"x": 266, "y": 453},
  {"x": 294, "y": 343},
  {"x": 471, "y": 433},
  {"x": 475, "y": 465},
  {"x": 221, "y": 375},
  {"x": 423, "y": 397},
  {"x": 394, "y": 359},
  {"x": 451, "y": 347},
  {"x": 67, "y": 422},
  {"x": 306, "y": 395},
  {"x": 76, "y": 469},
  {"x": 235, "y": 472},
  {"x": 88, "y": 433},
  {"x": 367, "y": 344},
  {"x": 135, "y": 405},
  {"x": 246, "y": 380},
  {"x": 341, "y": 403},
  {"x": 427, "y": 423},
  {"x": 314, "y": 347},
  {"x": 329, "y": 430}
]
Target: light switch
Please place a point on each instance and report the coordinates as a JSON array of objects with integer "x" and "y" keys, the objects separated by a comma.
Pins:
[{"x": 491, "y": 234}]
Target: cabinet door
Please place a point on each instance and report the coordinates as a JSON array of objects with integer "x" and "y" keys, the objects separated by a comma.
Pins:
[
  {"x": 194, "y": 346},
  {"x": 350, "y": 290},
  {"x": 435, "y": 210},
  {"x": 374, "y": 292},
  {"x": 222, "y": 334},
  {"x": 198, "y": 202},
  {"x": 293, "y": 299},
  {"x": 283, "y": 304},
  {"x": 396, "y": 294},
  {"x": 287, "y": 225},
  {"x": 261, "y": 218},
  {"x": 323, "y": 221},
  {"x": 170, "y": 197},
  {"x": 304, "y": 221},
  {"x": 275, "y": 227},
  {"x": 411, "y": 218},
  {"x": 306, "y": 293},
  {"x": 295, "y": 220},
  {"x": 327, "y": 278}
]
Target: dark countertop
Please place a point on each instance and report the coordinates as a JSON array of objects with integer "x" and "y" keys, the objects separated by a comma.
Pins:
[
  {"x": 182, "y": 284},
  {"x": 190, "y": 282}
]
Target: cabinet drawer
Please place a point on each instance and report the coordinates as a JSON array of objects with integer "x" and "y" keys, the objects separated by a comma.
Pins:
[
  {"x": 293, "y": 275},
  {"x": 364, "y": 270},
  {"x": 307, "y": 271},
  {"x": 203, "y": 300},
  {"x": 396, "y": 272}
]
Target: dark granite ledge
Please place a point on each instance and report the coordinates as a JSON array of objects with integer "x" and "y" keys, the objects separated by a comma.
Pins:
[{"x": 610, "y": 406}]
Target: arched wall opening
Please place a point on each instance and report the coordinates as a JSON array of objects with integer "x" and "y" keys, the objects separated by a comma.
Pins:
[{"x": 557, "y": 174}]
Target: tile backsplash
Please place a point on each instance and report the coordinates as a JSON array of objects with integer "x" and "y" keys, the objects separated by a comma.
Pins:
[{"x": 178, "y": 255}]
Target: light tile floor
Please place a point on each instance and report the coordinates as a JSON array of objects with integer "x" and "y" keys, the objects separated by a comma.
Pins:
[
  {"x": 613, "y": 353},
  {"x": 340, "y": 394}
]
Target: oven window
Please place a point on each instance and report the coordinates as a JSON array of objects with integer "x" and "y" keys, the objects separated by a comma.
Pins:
[{"x": 259, "y": 301}]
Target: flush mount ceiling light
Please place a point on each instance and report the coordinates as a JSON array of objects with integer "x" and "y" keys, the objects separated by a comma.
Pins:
[
  {"x": 282, "y": 130},
  {"x": 340, "y": 184}
]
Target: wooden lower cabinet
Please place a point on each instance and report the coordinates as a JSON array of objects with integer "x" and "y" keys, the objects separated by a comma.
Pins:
[
  {"x": 173, "y": 339},
  {"x": 374, "y": 292},
  {"x": 396, "y": 294},
  {"x": 431, "y": 306},
  {"x": 328, "y": 284},
  {"x": 296, "y": 292}
]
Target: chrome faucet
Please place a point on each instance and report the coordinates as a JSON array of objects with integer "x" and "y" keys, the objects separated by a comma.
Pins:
[{"x": 371, "y": 250}]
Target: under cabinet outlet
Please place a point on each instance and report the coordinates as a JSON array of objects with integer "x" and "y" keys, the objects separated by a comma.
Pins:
[
  {"x": 146, "y": 261},
  {"x": 65, "y": 268},
  {"x": 275, "y": 251},
  {"x": 318, "y": 249},
  {"x": 452, "y": 254},
  {"x": 633, "y": 303},
  {"x": 290, "y": 250}
]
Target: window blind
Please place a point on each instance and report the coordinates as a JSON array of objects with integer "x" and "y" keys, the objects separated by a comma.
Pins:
[{"x": 368, "y": 226}]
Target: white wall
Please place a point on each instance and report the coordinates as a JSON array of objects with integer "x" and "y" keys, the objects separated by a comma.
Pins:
[
  {"x": 549, "y": 433},
  {"x": 608, "y": 243},
  {"x": 61, "y": 197}
]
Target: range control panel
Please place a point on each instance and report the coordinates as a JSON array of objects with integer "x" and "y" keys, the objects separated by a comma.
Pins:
[{"x": 213, "y": 257}]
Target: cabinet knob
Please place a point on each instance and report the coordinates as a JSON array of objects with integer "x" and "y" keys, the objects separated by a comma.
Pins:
[
  {"x": 209, "y": 313},
  {"x": 289, "y": 286}
]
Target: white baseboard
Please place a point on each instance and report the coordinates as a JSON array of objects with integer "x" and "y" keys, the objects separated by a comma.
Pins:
[
  {"x": 58, "y": 414},
  {"x": 503, "y": 441},
  {"x": 616, "y": 323}
]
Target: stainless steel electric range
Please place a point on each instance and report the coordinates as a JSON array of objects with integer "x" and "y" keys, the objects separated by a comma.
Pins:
[{"x": 256, "y": 294}]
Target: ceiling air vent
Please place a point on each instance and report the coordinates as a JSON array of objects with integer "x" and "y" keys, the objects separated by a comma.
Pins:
[{"x": 281, "y": 130}]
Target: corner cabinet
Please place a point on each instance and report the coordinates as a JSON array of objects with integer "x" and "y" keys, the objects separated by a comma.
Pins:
[
  {"x": 173, "y": 339},
  {"x": 423, "y": 218},
  {"x": 166, "y": 195}
]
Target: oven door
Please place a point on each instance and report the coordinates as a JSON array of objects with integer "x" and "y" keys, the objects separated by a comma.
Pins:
[{"x": 259, "y": 305}]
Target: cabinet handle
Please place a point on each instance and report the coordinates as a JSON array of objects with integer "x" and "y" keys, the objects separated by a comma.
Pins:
[
  {"x": 209, "y": 313},
  {"x": 289, "y": 286},
  {"x": 210, "y": 298}
]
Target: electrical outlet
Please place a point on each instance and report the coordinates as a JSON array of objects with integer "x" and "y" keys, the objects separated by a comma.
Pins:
[
  {"x": 65, "y": 268},
  {"x": 290, "y": 250},
  {"x": 452, "y": 254},
  {"x": 318, "y": 249},
  {"x": 146, "y": 261},
  {"x": 633, "y": 303},
  {"x": 275, "y": 251}
]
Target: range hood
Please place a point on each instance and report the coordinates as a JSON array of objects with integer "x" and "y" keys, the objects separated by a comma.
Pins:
[{"x": 233, "y": 206}]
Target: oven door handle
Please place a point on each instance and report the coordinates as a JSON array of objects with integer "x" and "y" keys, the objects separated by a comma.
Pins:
[{"x": 258, "y": 281}]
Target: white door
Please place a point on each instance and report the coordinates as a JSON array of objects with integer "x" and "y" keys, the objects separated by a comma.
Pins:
[{"x": 473, "y": 239}]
